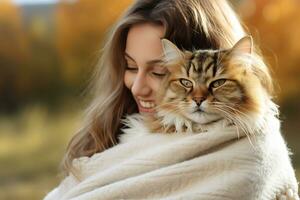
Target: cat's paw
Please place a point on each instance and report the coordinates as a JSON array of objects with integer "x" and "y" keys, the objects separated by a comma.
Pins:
[{"x": 288, "y": 194}]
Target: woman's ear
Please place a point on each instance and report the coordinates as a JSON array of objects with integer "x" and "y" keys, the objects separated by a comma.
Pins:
[
  {"x": 171, "y": 52},
  {"x": 244, "y": 45}
]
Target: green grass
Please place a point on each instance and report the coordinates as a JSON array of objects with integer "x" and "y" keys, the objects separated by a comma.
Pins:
[{"x": 31, "y": 146}]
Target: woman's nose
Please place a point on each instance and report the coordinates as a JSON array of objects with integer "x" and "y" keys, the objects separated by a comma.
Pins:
[{"x": 140, "y": 86}]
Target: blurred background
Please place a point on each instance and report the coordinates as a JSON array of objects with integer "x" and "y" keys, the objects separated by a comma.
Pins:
[{"x": 47, "y": 52}]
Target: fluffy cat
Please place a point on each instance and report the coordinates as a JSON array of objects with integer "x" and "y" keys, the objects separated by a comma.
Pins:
[
  {"x": 209, "y": 87},
  {"x": 212, "y": 95}
]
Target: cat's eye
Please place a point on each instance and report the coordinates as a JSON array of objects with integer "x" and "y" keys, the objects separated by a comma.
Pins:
[
  {"x": 186, "y": 83},
  {"x": 217, "y": 83}
]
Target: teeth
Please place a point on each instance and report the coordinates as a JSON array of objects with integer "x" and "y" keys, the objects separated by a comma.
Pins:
[{"x": 147, "y": 104}]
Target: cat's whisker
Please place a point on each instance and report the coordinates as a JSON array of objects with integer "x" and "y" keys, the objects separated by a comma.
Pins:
[
  {"x": 229, "y": 115},
  {"x": 239, "y": 124},
  {"x": 162, "y": 105},
  {"x": 230, "y": 107},
  {"x": 236, "y": 118},
  {"x": 252, "y": 130},
  {"x": 235, "y": 110}
]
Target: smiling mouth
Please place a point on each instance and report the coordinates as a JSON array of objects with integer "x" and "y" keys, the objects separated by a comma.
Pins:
[{"x": 146, "y": 106}]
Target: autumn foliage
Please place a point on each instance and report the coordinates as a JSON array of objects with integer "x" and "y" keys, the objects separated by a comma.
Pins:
[{"x": 60, "y": 58}]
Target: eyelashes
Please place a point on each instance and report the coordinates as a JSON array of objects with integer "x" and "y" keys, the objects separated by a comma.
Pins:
[
  {"x": 131, "y": 68},
  {"x": 159, "y": 74},
  {"x": 156, "y": 73}
]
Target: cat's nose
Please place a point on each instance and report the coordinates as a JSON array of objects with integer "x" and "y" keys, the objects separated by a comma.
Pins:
[{"x": 198, "y": 100}]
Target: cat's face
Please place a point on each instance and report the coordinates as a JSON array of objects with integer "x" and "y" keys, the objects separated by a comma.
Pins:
[{"x": 206, "y": 85}]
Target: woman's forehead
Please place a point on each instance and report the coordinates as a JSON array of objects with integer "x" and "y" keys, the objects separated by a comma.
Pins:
[{"x": 144, "y": 42}]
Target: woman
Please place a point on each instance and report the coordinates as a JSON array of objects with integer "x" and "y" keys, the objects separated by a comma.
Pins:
[{"x": 130, "y": 54}]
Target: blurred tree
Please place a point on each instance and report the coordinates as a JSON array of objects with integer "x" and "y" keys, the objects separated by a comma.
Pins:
[
  {"x": 13, "y": 52},
  {"x": 12, "y": 41},
  {"x": 277, "y": 22},
  {"x": 54, "y": 45},
  {"x": 43, "y": 64},
  {"x": 81, "y": 26}
]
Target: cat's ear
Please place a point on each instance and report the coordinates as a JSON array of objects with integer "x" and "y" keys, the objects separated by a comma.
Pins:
[
  {"x": 171, "y": 52},
  {"x": 244, "y": 45}
]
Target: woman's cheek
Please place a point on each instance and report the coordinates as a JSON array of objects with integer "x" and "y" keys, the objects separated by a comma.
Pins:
[
  {"x": 155, "y": 84},
  {"x": 129, "y": 78}
]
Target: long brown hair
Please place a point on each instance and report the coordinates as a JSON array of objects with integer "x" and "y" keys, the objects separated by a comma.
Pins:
[{"x": 190, "y": 24}]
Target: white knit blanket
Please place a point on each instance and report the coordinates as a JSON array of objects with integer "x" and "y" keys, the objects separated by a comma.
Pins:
[{"x": 216, "y": 165}]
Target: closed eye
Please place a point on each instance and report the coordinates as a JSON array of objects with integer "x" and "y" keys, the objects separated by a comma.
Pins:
[
  {"x": 131, "y": 68},
  {"x": 159, "y": 74}
]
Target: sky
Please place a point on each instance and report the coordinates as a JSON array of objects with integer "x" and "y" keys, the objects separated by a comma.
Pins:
[{"x": 23, "y": 2}]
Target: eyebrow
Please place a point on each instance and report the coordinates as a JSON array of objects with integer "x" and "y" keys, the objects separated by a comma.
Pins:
[{"x": 148, "y": 63}]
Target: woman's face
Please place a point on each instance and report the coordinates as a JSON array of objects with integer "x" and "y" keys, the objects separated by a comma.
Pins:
[{"x": 144, "y": 74}]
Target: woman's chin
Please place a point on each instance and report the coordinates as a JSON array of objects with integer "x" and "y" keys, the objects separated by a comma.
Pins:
[{"x": 147, "y": 113}]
